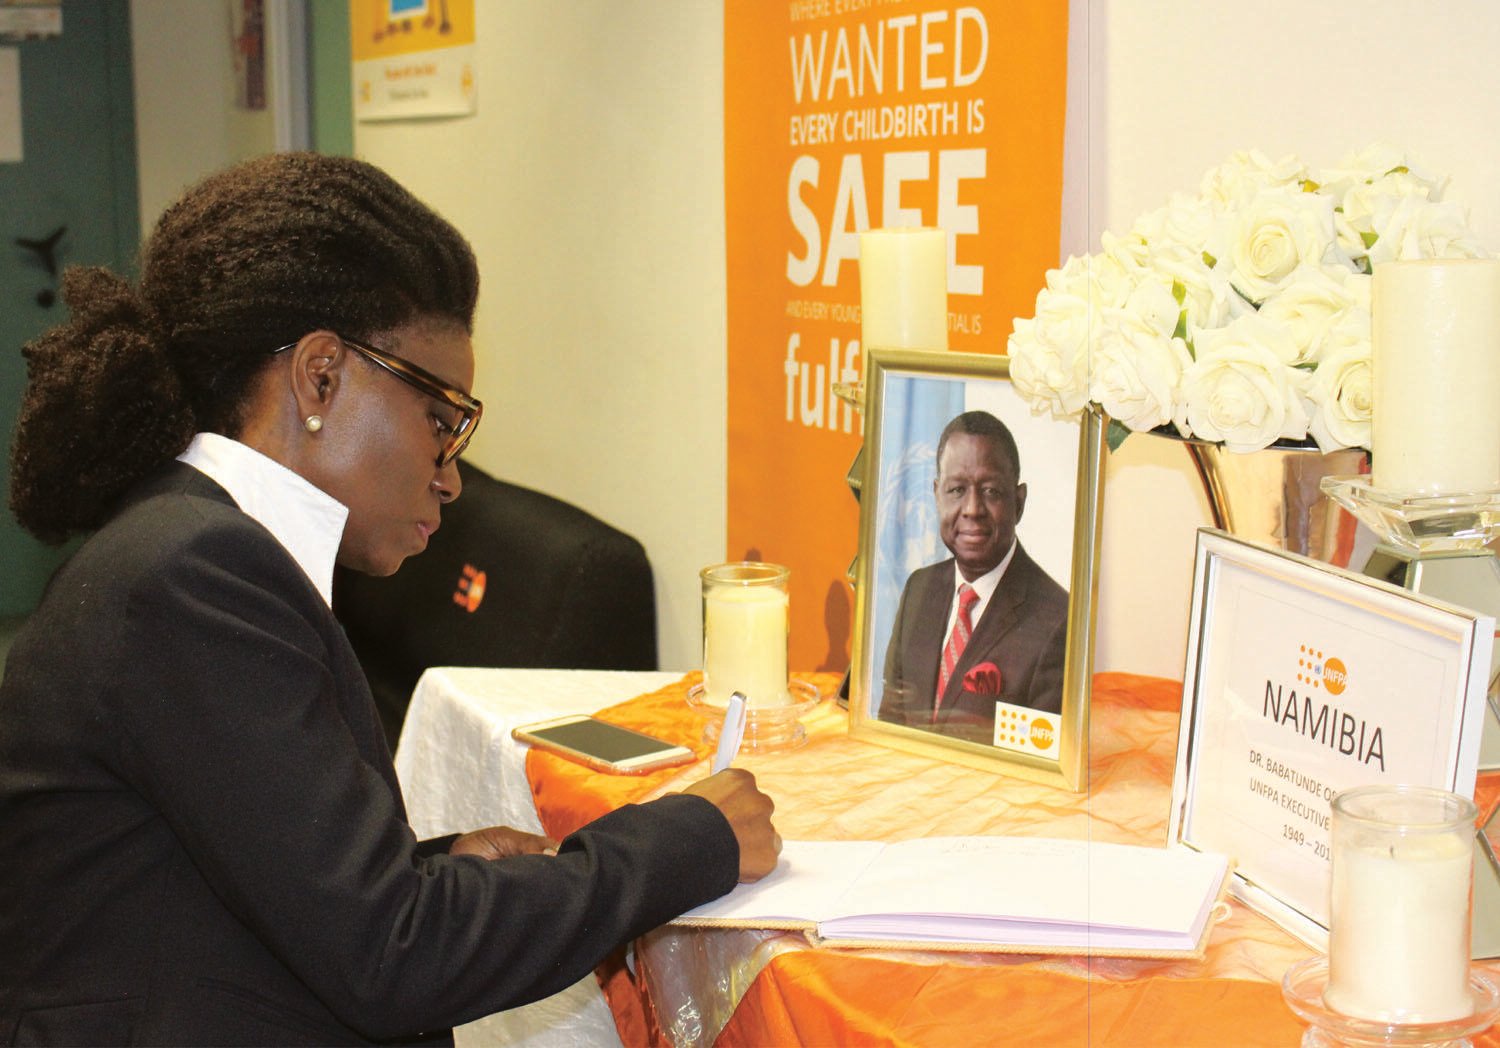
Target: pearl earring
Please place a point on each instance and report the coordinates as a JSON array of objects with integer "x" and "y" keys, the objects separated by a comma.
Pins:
[{"x": 313, "y": 423}]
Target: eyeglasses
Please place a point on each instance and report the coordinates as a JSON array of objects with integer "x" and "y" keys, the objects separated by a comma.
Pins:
[{"x": 456, "y": 437}]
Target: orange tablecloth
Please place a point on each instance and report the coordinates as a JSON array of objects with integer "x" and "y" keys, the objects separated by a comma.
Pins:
[{"x": 758, "y": 988}]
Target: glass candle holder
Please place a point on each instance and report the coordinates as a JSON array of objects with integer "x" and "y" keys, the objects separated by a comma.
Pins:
[
  {"x": 745, "y": 626},
  {"x": 1402, "y": 887}
]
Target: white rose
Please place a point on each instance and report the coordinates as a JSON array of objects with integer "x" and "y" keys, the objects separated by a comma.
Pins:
[
  {"x": 1351, "y": 328},
  {"x": 1418, "y": 228},
  {"x": 1358, "y": 286},
  {"x": 1150, "y": 303},
  {"x": 1070, "y": 274},
  {"x": 1185, "y": 221},
  {"x": 1065, "y": 310},
  {"x": 1136, "y": 369},
  {"x": 1148, "y": 228},
  {"x": 1366, "y": 207},
  {"x": 1251, "y": 329},
  {"x": 1351, "y": 332},
  {"x": 1131, "y": 250},
  {"x": 1341, "y": 396},
  {"x": 1098, "y": 279},
  {"x": 1117, "y": 269},
  {"x": 1274, "y": 235},
  {"x": 1240, "y": 392},
  {"x": 1051, "y": 376},
  {"x": 1206, "y": 295},
  {"x": 1308, "y": 309},
  {"x": 1239, "y": 179},
  {"x": 1376, "y": 163}
]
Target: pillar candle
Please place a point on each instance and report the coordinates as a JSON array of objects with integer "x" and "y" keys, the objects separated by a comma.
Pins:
[
  {"x": 1435, "y": 354},
  {"x": 1398, "y": 949},
  {"x": 744, "y": 644},
  {"x": 903, "y": 289}
]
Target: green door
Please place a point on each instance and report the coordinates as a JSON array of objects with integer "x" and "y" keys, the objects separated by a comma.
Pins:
[{"x": 78, "y": 174}]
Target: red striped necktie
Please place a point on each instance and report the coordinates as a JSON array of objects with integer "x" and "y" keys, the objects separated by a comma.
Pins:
[{"x": 963, "y": 626}]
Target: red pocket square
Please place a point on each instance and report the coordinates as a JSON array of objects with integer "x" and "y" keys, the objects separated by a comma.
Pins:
[{"x": 983, "y": 679}]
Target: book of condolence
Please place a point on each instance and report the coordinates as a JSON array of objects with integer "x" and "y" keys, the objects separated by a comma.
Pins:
[{"x": 1023, "y": 894}]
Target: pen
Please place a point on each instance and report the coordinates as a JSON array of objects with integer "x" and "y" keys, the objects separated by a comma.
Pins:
[{"x": 731, "y": 734}]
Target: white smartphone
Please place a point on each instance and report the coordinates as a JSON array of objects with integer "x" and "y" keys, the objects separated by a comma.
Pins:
[{"x": 603, "y": 746}]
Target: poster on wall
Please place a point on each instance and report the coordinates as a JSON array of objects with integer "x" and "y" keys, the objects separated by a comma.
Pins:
[
  {"x": 412, "y": 58},
  {"x": 30, "y": 19},
  {"x": 841, "y": 116}
]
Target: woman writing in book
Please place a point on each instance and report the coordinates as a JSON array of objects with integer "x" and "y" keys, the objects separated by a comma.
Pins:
[{"x": 205, "y": 842}]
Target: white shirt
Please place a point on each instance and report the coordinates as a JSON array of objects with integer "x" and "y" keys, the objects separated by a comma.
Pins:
[
  {"x": 985, "y": 586},
  {"x": 307, "y": 521}
]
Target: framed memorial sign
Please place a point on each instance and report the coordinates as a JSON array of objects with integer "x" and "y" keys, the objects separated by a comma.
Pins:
[
  {"x": 963, "y": 485},
  {"x": 1302, "y": 680}
]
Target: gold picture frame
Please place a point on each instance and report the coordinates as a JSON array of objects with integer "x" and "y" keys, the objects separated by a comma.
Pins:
[{"x": 910, "y": 396}]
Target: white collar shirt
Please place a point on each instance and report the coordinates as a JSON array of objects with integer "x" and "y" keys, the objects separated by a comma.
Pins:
[
  {"x": 985, "y": 586},
  {"x": 307, "y": 521}
]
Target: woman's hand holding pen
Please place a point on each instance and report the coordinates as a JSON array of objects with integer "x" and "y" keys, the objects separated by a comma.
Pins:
[{"x": 748, "y": 810}]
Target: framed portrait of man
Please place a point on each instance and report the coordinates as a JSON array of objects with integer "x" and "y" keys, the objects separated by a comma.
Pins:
[{"x": 974, "y": 588}]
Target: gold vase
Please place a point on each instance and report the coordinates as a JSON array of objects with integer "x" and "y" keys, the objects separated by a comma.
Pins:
[{"x": 1273, "y": 496}]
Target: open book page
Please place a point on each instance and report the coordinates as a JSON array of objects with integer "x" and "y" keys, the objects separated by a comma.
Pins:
[
  {"x": 1059, "y": 894},
  {"x": 1023, "y": 889},
  {"x": 807, "y": 882},
  {"x": 1152, "y": 888}
]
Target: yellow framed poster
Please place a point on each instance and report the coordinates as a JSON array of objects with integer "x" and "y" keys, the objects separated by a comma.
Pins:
[{"x": 412, "y": 58}]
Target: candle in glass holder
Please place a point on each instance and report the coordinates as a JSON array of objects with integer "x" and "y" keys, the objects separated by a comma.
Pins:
[
  {"x": 1435, "y": 358},
  {"x": 745, "y": 622},
  {"x": 1398, "y": 936},
  {"x": 903, "y": 289}
]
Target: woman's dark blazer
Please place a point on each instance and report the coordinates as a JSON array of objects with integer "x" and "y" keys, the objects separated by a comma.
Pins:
[{"x": 204, "y": 839}]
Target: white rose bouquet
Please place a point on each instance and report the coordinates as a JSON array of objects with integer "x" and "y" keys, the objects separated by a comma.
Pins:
[{"x": 1240, "y": 316}]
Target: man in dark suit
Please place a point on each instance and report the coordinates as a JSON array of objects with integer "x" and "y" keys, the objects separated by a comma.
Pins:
[{"x": 988, "y": 624}]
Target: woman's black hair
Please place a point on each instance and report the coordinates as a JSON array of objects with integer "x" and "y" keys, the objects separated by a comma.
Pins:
[{"x": 250, "y": 259}]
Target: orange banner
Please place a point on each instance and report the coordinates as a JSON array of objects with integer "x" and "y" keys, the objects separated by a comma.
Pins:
[{"x": 841, "y": 116}]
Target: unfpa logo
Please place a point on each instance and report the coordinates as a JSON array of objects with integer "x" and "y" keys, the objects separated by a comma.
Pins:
[
  {"x": 1042, "y": 733},
  {"x": 470, "y": 592},
  {"x": 1022, "y": 729},
  {"x": 1317, "y": 671}
]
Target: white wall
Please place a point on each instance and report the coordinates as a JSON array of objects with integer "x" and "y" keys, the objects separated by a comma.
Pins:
[
  {"x": 186, "y": 121},
  {"x": 1176, "y": 86},
  {"x": 591, "y": 183}
]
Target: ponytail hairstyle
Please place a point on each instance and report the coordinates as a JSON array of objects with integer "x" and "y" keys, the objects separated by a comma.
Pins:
[{"x": 250, "y": 259}]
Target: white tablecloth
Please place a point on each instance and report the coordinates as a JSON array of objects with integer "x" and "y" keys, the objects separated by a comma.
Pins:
[{"x": 460, "y": 770}]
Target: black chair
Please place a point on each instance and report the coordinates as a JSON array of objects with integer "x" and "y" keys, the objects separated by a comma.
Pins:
[{"x": 512, "y": 578}]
